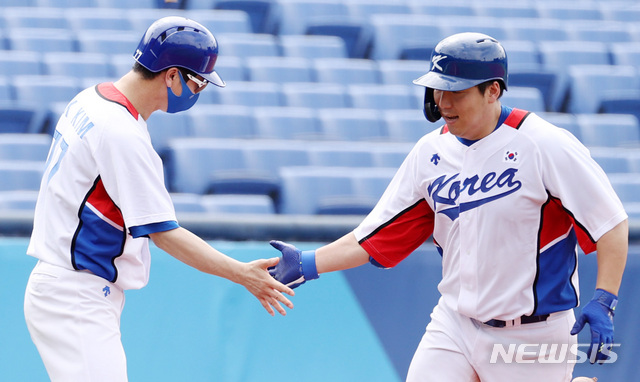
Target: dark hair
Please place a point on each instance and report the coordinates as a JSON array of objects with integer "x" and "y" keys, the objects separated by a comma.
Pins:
[
  {"x": 483, "y": 86},
  {"x": 144, "y": 72}
]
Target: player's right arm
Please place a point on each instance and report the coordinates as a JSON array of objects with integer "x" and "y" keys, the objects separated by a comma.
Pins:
[{"x": 195, "y": 252}]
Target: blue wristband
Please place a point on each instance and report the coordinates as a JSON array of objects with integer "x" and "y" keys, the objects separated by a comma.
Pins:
[
  {"x": 605, "y": 298},
  {"x": 308, "y": 262}
]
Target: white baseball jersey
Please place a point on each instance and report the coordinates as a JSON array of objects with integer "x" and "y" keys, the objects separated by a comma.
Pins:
[
  {"x": 506, "y": 213},
  {"x": 102, "y": 192}
]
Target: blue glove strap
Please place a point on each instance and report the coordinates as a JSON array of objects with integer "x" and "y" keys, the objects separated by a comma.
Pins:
[
  {"x": 605, "y": 298},
  {"x": 308, "y": 262}
]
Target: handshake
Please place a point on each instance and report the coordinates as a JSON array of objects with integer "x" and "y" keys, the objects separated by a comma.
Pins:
[{"x": 295, "y": 267}]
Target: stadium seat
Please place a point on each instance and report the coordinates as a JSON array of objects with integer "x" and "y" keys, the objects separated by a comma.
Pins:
[
  {"x": 609, "y": 130},
  {"x": 238, "y": 204},
  {"x": 612, "y": 160},
  {"x": 17, "y": 62},
  {"x": 535, "y": 29},
  {"x": 222, "y": 21},
  {"x": 566, "y": 121},
  {"x": 200, "y": 4},
  {"x": 527, "y": 98},
  {"x": 393, "y": 33},
  {"x": 186, "y": 202},
  {"x": 564, "y": 10},
  {"x": 23, "y": 200},
  {"x": 346, "y": 71},
  {"x": 401, "y": 72},
  {"x": 340, "y": 154},
  {"x": 625, "y": 53},
  {"x": 20, "y": 175},
  {"x": 358, "y": 37},
  {"x": 390, "y": 155},
  {"x": 627, "y": 186},
  {"x": 363, "y": 10},
  {"x": 35, "y": 17},
  {"x": 352, "y": 124},
  {"x": 617, "y": 104},
  {"x": 484, "y": 25},
  {"x": 416, "y": 53},
  {"x": 222, "y": 121},
  {"x": 140, "y": 21},
  {"x": 315, "y": 95},
  {"x": 77, "y": 64},
  {"x": 590, "y": 84},
  {"x": 66, "y": 4},
  {"x": 248, "y": 45},
  {"x": 42, "y": 39},
  {"x": 407, "y": 125},
  {"x": 248, "y": 93},
  {"x": 502, "y": 9},
  {"x": 164, "y": 127},
  {"x": 547, "y": 82},
  {"x": 602, "y": 31},
  {"x": 83, "y": 19},
  {"x": 6, "y": 92},
  {"x": 559, "y": 55},
  {"x": 308, "y": 46},
  {"x": 231, "y": 68},
  {"x": 296, "y": 15},
  {"x": 262, "y": 13},
  {"x": 114, "y": 42},
  {"x": 370, "y": 96},
  {"x": 619, "y": 11},
  {"x": 27, "y": 147},
  {"x": 127, "y": 4},
  {"x": 523, "y": 55},
  {"x": 44, "y": 90},
  {"x": 279, "y": 69},
  {"x": 121, "y": 64},
  {"x": 450, "y": 9},
  {"x": 287, "y": 123}
]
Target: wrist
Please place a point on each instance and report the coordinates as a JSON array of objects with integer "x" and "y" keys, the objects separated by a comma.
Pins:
[
  {"x": 308, "y": 263},
  {"x": 605, "y": 298}
]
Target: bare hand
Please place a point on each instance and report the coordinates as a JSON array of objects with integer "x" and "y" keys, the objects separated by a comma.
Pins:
[{"x": 265, "y": 288}]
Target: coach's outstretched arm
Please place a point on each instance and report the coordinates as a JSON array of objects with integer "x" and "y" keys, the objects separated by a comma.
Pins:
[
  {"x": 297, "y": 266},
  {"x": 195, "y": 252},
  {"x": 612, "y": 257}
]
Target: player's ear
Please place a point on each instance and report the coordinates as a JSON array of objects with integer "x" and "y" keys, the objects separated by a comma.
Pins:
[{"x": 169, "y": 76}]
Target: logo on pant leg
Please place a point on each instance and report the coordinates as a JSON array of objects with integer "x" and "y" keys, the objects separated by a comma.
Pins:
[{"x": 106, "y": 290}]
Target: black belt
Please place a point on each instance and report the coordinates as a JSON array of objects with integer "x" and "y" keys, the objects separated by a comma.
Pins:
[{"x": 521, "y": 320}]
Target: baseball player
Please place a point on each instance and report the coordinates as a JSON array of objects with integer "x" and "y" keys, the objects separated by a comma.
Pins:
[
  {"x": 507, "y": 197},
  {"x": 103, "y": 197}
]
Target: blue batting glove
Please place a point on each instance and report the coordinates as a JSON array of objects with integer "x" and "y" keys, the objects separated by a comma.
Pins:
[
  {"x": 295, "y": 267},
  {"x": 599, "y": 314}
]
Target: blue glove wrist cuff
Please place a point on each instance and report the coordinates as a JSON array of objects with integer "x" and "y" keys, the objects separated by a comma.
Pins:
[
  {"x": 605, "y": 298},
  {"x": 308, "y": 262}
]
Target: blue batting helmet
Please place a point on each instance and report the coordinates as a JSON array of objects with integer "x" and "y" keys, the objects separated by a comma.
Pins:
[
  {"x": 462, "y": 61},
  {"x": 179, "y": 42}
]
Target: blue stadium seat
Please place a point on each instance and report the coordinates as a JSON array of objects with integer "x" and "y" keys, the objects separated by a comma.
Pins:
[
  {"x": 200, "y": 4},
  {"x": 222, "y": 21},
  {"x": 618, "y": 104},
  {"x": 523, "y": 55},
  {"x": 114, "y": 42},
  {"x": 231, "y": 68},
  {"x": 395, "y": 32},
  {"x": 619, "y": 11},
  {"x": 358, "y": 37},
  {"x": 238, "y": 204},
  {"x": 390, "y": 155},
  {"x": 77, "y": 64},
  {"x": 363, "y": 10},
  {"x": 559, "y": 55},
  {"x": 121, "y": 64},
  {"x": 35, "y": 17},
  {"x": 402, "y": 72},
  {"x": 547, "y": 82},
  {"x": 44, "y": 90},
  {"x": 296, "y": 15},
  {"x": 307, "y": 46},
  {"x": 352, "y": 124},
  {"x": 28, "y": 147},
  {"x": 590, "y": 84},
  {"x": 346, "y": 71},
  {"x": 83, "y": 19},
  {"x": 164, "y": 126},
  {"x": 20, "y": 175},
  {"x": 248, "y": 93},
  {"x": 191, "y": 163},
  {"x": 222, "y": 121},
  {"x": 186, "y": 202},
  {"x": 627, "y": 186},
  {"x": 536, "y": 29},
  {"x": 287, "y": 123},
  {"x": 625, "y": 53},
  {"x": 248, "y": 45},
  {"x": 262, "y": 13},
  {"x": 140, "y": 21},
  {"x": 612, "y": 160},
  {"x": 609, "y": 130},
  {"x": 437, "y": 9},
  {"x": 602, "y": 31},
  {"x": 340, "y": 154},
  {"x": 566, "y": 121},
  {"x": 279, "y": 69},
  {"x": 416, "y": 52},
  {"x": 565, "y": 10},
  {"x": 503, "y": 9},
  {"x": 23, "y": 200},
  {"x": 484, "y": 25},
  {"x": 6, "y": 92},
  {"x": 66, "y": 4},
  {"x": 15, "y": 62},
  {"x": 315, "y": 95},
  {"x": 528, "y": 98},
  {"x": 42, "y": 39},
  {"x": 127, "y": 4},
  {"x": 408, "y": 126},
  {"x": 370, "y": 96}
]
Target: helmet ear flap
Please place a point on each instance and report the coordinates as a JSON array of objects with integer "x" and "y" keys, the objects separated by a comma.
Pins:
[{"x": 431, "y": 111}]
